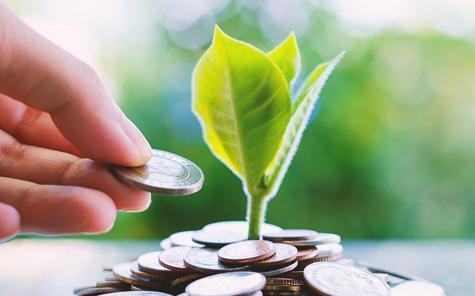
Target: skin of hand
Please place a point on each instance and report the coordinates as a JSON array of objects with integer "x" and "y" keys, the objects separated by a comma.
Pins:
[{"x": 59, "y": 125}]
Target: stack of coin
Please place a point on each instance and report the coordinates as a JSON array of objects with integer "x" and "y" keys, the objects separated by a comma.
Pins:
[{"x": 218, "y": 260}]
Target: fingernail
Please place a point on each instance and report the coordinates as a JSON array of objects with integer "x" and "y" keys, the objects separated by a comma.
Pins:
[{"x": 144, "y": 150}]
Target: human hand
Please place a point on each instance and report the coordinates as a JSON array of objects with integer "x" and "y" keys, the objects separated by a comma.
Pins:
[{"x": 58, "y": 126}]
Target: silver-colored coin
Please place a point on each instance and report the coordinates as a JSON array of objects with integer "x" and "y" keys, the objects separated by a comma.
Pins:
[
  {"x": 319, "y": 239},
  {"x": 341, "y": 280},
  {"x": 217, "y": 238},
  {"x": 241, "y": 227},
  {"x": 183, "y": 239},
  {"x": 417, "y": 288},
  {"x": 330, "y": 250},
  {"x": 165, "y": 173},
  {"x": 206, "y": 260},
  {"x": 227, "y": 284},
  {"x": 166, "y": 244},
  {"x": 281, "y": 270}
]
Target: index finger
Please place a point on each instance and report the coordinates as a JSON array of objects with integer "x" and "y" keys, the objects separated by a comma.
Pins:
[{"x": 40, "y": 74}]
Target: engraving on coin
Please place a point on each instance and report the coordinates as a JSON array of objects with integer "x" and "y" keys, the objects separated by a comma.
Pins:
[
  {"x": 341, "y": 280},
  {"x": 284, "y": 253},
  {"x": 291, "y": 235},
  {"x": 165, "y": 173},
  {"x": 417, "y": 288},
  {"x": 246, "y": 252},
  {"x": 230, "y": 283},
  {"x": 217, "y": 238},
  {"x": 173, "y": 258},
  {"x": 206, "y": 260}
]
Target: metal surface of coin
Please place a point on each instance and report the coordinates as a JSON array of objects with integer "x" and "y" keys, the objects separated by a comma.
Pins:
[
  {"x": 206, "y": 260},
  {"x": 291, "y": 235},
  {"x": 217, "y": 238},
  {"x": 149, "y": 263},
  {"x": 280, "y": 271},
  {"x": 320, "y": 239},
  {"x": 112, "y": 284},
  {"x": 139, "y": 293},
  {"x": 183, "y": 239},
  {"x": 122, "y": 273},
  {"x": 417, "y": 288},
  {"x": 184, "y": 280},
  {"x": 330, "y": 250},
  {"x": 166, "y": 244},
  {"x": 246, "y": 252},
  {"x": 227, "y": 284},
  {"x": 284, "y": 281},
  {"x": 165, "y": 173},
  {"x": 173, "y": 258},
  {"x": 307, "y": 254},
  {"x": 342, "y": 280},
  {"x": 284, "y": 253},
  {"x": 282, "y": 288},
  {"x": 240, "y": 227},
  {"x": 136, "y": 272},
  {"x": 93, "y": 291}
]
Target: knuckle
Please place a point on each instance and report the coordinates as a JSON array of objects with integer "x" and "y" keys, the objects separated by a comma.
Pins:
[{"x": 11, "y": 152}]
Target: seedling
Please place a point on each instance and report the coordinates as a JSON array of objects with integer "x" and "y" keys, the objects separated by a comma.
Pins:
[{"x": 242, "y": 98}]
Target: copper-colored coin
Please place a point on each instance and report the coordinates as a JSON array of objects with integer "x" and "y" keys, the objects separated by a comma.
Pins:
[
  {"x": 149, "y": 263},
  {"x": 206, "y": 260},
  {"x": 217, "y": 238},
  {"x": 173, "y": 258},
  {"x": 136, "y": 272},
  {"x": 282, "y": 288},
  {"x": 307, "y": 254},
  {"x": 246, "y": 252},
  {"x": 283, "y": 254},
  {"x": 122, "y": 273},
  {"x": 291, "y": 235}
]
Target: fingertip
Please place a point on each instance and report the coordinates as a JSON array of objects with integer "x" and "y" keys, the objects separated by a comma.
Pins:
[
  {"x": 9, "y": 222},
  {"x": 143, "y": 149},
  {"x": 140, "y": 202}
]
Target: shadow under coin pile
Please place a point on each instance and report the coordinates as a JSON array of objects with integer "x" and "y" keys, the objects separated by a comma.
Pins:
[{"x": 218, "y": 260}]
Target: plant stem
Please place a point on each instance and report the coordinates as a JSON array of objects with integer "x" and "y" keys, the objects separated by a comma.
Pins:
[{"x": 255, "y": 215}]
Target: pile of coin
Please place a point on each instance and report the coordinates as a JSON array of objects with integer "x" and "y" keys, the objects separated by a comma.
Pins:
[{"x": 218, "y": 260}]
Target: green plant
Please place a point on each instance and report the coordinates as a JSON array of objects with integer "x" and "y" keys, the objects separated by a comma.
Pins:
[{"x": 242, "y": 98}]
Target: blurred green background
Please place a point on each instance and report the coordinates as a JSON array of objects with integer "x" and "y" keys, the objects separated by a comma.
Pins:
[{"x": 390, "y": 152}]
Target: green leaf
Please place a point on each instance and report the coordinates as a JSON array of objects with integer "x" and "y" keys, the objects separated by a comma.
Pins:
[
  {"x": 287, "y": 56},
  {"x": 301, "y": 111},
  {"x": 243, "y": 103}
]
